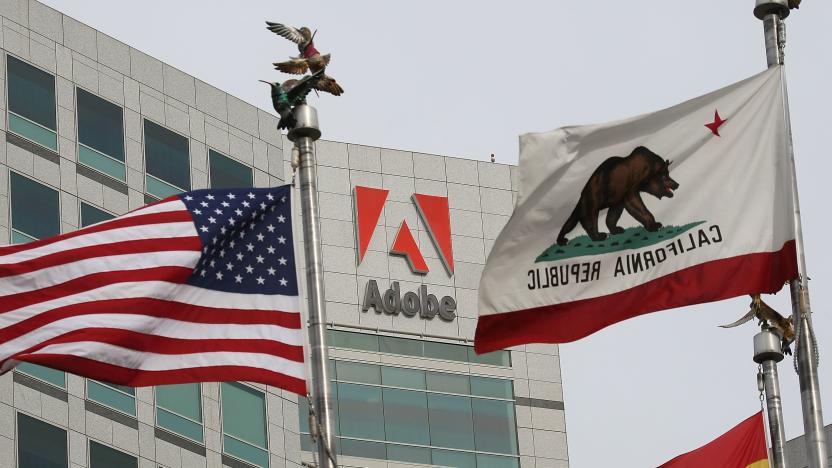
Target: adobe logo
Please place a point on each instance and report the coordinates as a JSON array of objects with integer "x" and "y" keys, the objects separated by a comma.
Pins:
[{"x": 434, "y": 212}]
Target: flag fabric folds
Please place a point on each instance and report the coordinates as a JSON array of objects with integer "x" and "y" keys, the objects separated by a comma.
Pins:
[
  {"x": 744, "y": 446},
  {"x": 686, "y": 205},
  {"x": 200, "y": 286}
]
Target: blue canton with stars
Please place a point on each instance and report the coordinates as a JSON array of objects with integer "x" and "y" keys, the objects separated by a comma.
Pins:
[{"x": 246, "y": 239}]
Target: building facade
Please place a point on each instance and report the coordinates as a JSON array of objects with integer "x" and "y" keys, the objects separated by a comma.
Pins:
[{"x": 92, "y": 128}]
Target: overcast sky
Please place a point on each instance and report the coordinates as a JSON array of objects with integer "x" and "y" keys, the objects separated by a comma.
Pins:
[{"x": 465, "y": 78}]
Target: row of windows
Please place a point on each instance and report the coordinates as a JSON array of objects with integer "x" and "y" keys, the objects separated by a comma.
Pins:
[
  {"x": 178, "y": 409},
  {"x": 419, "y": 416},
  {"x": 100, "y": 125},
  {"x": 417, "y": 348},
  {"x": 42, "y": 445}
]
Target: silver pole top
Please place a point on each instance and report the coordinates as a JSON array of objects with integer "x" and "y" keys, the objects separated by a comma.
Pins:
[
  {"x": 764, "y": 8},
  {"x": 767, "y": 347},
  {"x": 307, "y": 123}
]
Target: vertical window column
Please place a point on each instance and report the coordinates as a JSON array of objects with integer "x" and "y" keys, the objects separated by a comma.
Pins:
[
  {"x": 179, "y": 410},
  {"x": 31, "y": 95},
  {"x": 39, "y": 444},
  {"x": 166, "y": 161},
  {"x": 35, "y": 214},
  {"x": 244, "y": 423},
  {"x": 101, "y": 135}
]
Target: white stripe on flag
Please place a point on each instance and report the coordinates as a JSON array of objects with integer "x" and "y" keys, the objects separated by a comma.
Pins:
[
  {"x": 157, "y": 326},
  {"x": 122, "y": 357},
  {"x": 130, "y": 233},
  {"x": 162, "y": 290},
  {"x": 46, "y": 277}
]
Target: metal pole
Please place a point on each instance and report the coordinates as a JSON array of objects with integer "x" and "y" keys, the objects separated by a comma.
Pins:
[
  {"x": 767, "y": 353},
  {"x": 772, "y": 13},
  {"x": 304, "y": 135}
]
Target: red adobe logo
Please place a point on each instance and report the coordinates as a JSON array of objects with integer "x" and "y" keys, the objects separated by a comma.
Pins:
[{"x": 369, "y": 202}]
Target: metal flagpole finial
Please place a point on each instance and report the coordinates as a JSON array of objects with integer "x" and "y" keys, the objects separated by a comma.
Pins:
[{"x": 764, "y": 8}]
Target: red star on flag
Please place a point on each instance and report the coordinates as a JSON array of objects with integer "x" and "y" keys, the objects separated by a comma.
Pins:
[{"x": 718, "y": 121}]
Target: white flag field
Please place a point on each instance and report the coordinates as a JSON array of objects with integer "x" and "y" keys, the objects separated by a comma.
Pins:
[{"x": 686, "y": 205}]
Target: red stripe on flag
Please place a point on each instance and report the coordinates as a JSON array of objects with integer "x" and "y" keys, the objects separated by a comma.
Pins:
[
  {"x": 166, "y": 345},
  {"x": 155, "y": 308},
  {"x": 180, "y": 216},
  {"x": 102, "y": 250},
  {"x": 711, "y": 281},
  {"x": 171, "y": 274},
  {"x": 140, "y": 378}
]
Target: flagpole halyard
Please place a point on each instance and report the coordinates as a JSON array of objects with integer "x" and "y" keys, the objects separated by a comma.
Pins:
[
  {"x": 304, "y": 134},
  {"x": 772, "y": 12}
]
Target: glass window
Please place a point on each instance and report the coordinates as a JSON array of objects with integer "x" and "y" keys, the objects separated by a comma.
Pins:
[
  {"x": 451, "y": 423},
  {"x": 493, "y": 461},
  {"x": 166, "y": 160},
  {"x": 91, "y": 215},
  {"x": 407, "y": 378},
  {"x": 497, "y": 388},
  {"x": 32, "y": 103},
  {"x": 40, "y": 445},
  {"x": 356, "y": 372},
  {"x": 447, "y": 351},
  {"x": 393, "y": 345},
  {"x": 55, "y": 377},
  {"x": 102, "y": 456},
  {"x": 456, "y": 459},
  {"x": 35, "y": 209},
  {"x": 408, "y": 454},
  {"x": 244, "y": 423},
  {"x": 228, "y": 173},
  {"x": 360, "y": 411},
  {"x": 360, "y": 448},
  {"x": 342, "y": 339},
  {"x": 496, "y": 430},
  {"x": 115, "y": 396},
  {"x": 450, "y": 383},
  {"x": 406, "y": 416},
  {"x": 179, "y": 409},
  {"x": 496, "y": 358},
  {"x": 100, "y": 134}
]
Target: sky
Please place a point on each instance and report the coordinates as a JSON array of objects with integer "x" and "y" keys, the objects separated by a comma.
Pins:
[{"x": 465, "y": 78}]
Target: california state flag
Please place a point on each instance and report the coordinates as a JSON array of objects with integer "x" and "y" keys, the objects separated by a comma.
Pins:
[
  {"x": 686, "y": 205},
  {"x": 744, "y": 446}
]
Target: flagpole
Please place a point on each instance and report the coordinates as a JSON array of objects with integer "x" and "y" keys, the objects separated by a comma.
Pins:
[
  {"x": 771, "y": 12},
  {"x": 767, "y": 353},
  {"x": 304, "y": 134}
]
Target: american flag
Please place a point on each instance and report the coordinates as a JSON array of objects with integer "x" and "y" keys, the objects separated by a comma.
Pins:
[{"x": 200, "y": 286}]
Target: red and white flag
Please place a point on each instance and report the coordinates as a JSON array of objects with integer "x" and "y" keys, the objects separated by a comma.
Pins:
[
  {"x": 686, "y": 205},
  {"x": 197, "y": 287}
]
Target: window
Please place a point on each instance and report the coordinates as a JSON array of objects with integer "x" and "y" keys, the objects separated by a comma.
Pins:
[
  {"x": 228, "y": 173},
  {"x": 100, "y": 135},
  {"x": 102, "y": 456},
  {"x": 179, "y": 410},
  {"x": 32, "y": 103},
  {"x": 417, "y": 416},
  {"x": 92, "y": 215},
  {"x": 115, "y": 396},
  {"x": 35, "y": 214},
  {"x": 166, "y": 161},
  {"x": 244, "y": 423},
  {"x": 418, "y": 348},
  {"x": 35, "y": 210},
  {"x": 40, "y": 445}
]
